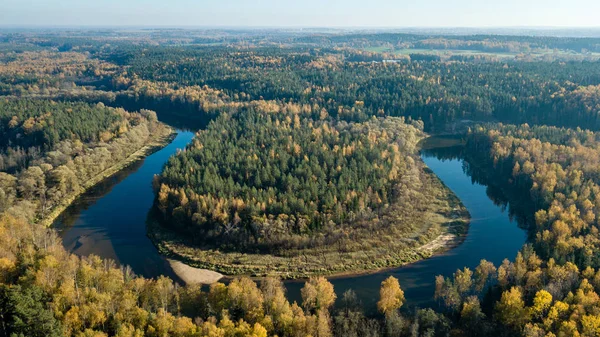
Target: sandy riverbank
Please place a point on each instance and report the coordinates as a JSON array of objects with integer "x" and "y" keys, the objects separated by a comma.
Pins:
[{"x": 191, "y": 275}]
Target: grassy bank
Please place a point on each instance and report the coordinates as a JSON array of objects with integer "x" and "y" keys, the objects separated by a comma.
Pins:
[
  {"x": 156, "y": 141},
  {"x": 439, "y": 227}
]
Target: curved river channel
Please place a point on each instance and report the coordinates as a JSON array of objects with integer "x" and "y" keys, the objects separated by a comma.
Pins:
[{"x": 110, "y": 221}]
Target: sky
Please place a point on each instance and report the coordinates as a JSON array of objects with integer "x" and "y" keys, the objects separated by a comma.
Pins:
[{"x": 302, "y": 13}]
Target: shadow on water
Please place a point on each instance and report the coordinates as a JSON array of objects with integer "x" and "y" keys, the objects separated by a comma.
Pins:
[
  {"x": 179, "y": 115},
  {"x": 110, "y": 221},
  {"x": 495, "y": 233}
]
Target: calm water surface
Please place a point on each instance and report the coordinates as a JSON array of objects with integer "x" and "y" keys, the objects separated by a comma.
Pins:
[
  {"x": 110, "y": 221},
  {"x": 493, "y": 235}
]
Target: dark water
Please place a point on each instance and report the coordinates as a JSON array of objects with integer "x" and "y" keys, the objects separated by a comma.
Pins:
[
  {"x": 110, "y": 221},
  {"x": 493, "y": 235}
]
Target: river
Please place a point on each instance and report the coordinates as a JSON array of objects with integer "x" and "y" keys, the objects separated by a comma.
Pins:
[{"x": 110, "y": 221}]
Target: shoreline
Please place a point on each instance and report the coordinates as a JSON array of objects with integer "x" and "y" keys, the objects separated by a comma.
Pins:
[
  {"x": 453, "y": 233},
  {"x": 191, "y": 275},
  {"x": 156, "y": 143},
  {"x": 190, "y": 271},
  {"x": 456, "y": 241}
]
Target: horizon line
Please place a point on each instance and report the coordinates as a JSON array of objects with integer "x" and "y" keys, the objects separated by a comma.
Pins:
[{"x": 287, "y": 27}]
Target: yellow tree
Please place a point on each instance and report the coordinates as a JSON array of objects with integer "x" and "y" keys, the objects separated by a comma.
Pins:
[
  {"x": 471, "y": 315},
  {"x": 218, "y": 298},
  {"x": 541, "y": 304},
  {"x": 245, "y": 295},
  {"x": 323, "y": 324},
  {"x": 391, "y": 296},
  {"x": 483, "y": 273},
  {"x": 276, "y": 305},
  {"x": 511, "y": 309},
  {"x": 591, "y": 325},
  {"x": 317, "y": 294}
]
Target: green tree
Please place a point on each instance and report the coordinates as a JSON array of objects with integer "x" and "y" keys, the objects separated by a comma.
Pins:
[{"x": 23, "y": 312}]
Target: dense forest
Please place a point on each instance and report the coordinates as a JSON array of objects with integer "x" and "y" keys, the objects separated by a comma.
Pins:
[
  {"x": 42, "y": 124},
  {"x": 551, "y": 288},
  {"x": 311, "y": 151},
  {"x": 249, "y": 171},
  {"x": 45, "y": 291},
  {"x": 51, "y": 150},
  {"x": 555, "y": 93},
  {"x": 297, "y": 190}
]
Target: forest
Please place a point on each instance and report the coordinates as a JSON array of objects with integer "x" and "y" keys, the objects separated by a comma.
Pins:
[
  {"x": 46, "y": 291},
  {"x": 551, "y": 288},
  {"x": 554, "y": 93},
  {"x": 52, "y": 150},
  {"x": 309, "y": 154},
  {"x": 302, "y": 192},
  {"x": 252, "y": 170}
]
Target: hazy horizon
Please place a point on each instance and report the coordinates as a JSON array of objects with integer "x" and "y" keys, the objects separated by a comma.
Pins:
[
  {"x": 298, "y": 27},
  {"x": 352, "y": 14}
]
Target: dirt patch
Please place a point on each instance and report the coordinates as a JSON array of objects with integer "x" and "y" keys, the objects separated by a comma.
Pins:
[{"x": 443, "y": 241}]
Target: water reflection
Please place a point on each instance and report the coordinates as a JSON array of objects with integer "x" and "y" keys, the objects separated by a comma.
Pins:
[
  {"x": 110, "y": 219},
  {"x": 519, "y": 206},
  {"x": 493, "y": 234}
]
